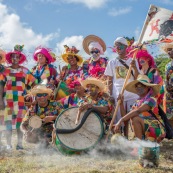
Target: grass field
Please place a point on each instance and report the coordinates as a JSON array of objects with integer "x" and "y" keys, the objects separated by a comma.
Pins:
[{"x": 51, "y": 161}]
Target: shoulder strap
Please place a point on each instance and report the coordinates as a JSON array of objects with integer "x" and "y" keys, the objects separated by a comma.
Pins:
[
  {"x": 153, "y": 71},
  {"x": 127, "y": 67},
  {"x": 153, "y": 114},
  {"x": 148, "y": 71}
]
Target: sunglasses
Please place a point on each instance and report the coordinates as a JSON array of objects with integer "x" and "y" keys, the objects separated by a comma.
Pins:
[
  {"x": 95, "y": 51},
  {"x": 119, "y": 47},
  {"x": 169, "y": 49},
  {"x": 42, "y": 94},
  {"x": 15, "y": 56}
]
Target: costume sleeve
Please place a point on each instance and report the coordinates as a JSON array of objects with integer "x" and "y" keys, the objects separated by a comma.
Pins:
[
  {"x": 3, "y": 73},
  {"x": 59, "y": 107},
  {"x": 2, "y": 79},
  {"x": 150, "y": 102},
  {"x": 64, "y": 102},
  {"x": 53, "y": 71},
  {"x": 30, "y": 79},
  {"x": 81, "y": 101},
  {"x": 102, "y": 102},
  {"x": 109, "y": 70}
]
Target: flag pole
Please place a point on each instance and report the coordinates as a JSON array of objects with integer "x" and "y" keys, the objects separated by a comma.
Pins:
[
  {"x": 122, "y": 92},
  {"x": 129, "y": 72}
]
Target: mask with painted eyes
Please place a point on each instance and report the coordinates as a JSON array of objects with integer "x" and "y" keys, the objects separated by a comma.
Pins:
[
  {"x": 140, "y": 91},
  {"x": 142, "y": 61},
  {"x": 95, "y": 57}
]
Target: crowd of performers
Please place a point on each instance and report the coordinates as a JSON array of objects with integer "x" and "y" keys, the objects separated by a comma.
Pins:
[{"x": 93, "y": 83}]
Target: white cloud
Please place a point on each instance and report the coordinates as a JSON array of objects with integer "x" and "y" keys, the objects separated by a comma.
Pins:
[
  {"x": 116, "y": 12},
  {"x": 89, "y": 3},
  {"x": 13, "y": 31}
]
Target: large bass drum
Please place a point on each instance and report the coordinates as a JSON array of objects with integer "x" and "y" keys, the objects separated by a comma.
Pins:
[{"x": 71, "y": 138}]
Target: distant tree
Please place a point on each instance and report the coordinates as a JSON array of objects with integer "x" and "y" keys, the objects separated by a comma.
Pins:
[{"x": 161, "y": 61}]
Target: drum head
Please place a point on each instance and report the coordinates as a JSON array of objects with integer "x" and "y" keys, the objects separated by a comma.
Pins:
[
  {"x": 35, "y": 122},
  {"x": 83, "y": 139}
]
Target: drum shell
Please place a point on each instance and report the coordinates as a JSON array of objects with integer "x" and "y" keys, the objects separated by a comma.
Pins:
[{"x": 67, "y": 149}]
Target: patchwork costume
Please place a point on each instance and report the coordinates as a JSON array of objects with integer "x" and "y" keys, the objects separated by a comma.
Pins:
[
  {"x": 15, "y": 84},
  {"x": 15, "y": 89}
]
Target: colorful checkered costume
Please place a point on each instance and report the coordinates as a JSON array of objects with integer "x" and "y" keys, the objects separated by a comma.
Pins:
[{"x": 16, "y": 81}]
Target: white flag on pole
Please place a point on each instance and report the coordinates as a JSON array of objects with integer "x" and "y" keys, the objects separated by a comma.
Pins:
[{"x": 158, "y": 25}]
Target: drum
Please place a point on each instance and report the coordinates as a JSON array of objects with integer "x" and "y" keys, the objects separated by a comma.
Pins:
[
  {"x": 38, "y": 130},
  {"x": 71, "y": 138},
  {"x": 35, "y": 122},
  {"x": 31, "y": 136},
  {"x": 61, "y": 91}
]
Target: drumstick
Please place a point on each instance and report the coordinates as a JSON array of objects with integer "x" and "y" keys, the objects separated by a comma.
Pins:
[
  {"x": 122, "y": 92},
  {"x": 59, "y": 69},
  {"x": 77, "y": 117},
  {"x": 32, "y": 130}
]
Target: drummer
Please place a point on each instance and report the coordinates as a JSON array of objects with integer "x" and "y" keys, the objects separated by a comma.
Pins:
[
  {"x": 45, "y": 109},
  {"x": 95, "y": 98}
]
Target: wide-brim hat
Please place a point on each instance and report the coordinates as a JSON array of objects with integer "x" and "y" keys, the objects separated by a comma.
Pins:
[
  {"x": 38, "y": 89},
  {"x": 166, "y": 46},
  {"x": 45, "y": 52},
  {"x": 92, "y": 38},
  {"x": 145, "y": 81},
  {"x": 65, "y": 55},
  {"x": 22, "y": 56},
  {"x": 2, "y": 54},
  {"x": 91, "y": 80}
]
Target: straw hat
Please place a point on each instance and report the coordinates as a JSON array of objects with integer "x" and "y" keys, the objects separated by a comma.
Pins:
[
  {"x": 2, "y": 55},
  {"x": 40, "y": 89},
  {"x": 93, "y": 38},
  {"x": 145, "y": 81},
  {"x": 166, "y": 46},
  {"x": 17, "y": 50},
  {"x": 91, "y": 80},
  {"x": 45, "y": 52},
  {"x": 71, "y": 51}
]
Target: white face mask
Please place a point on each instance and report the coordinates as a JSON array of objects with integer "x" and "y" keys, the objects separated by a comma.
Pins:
[{"x": 95, "y": 57}]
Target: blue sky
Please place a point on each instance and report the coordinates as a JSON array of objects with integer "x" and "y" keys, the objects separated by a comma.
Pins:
[{"x": 53, "y": 23}]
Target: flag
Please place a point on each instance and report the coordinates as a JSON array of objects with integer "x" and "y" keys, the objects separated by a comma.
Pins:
[{"x": 158, "y": 25}]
